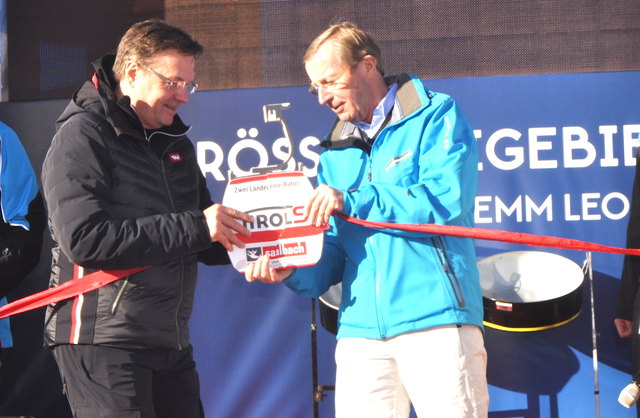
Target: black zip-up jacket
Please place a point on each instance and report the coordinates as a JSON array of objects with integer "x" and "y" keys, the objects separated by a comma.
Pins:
[
  {"x": 20, "y": 248},
  {"x": 119, "y": 197},
  {"x": 627, "y": 307}
]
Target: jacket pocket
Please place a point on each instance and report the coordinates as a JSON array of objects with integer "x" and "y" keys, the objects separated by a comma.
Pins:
[
  {"x": 118, "y": 298},
  {"x": 441, "y": 251}
]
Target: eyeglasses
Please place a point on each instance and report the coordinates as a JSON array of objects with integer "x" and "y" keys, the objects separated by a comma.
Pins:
[
  {"x": 190, "y": 87},
  {"x": 328, "y": 84}
]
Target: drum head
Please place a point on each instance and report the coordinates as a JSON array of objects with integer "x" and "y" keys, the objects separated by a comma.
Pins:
[{"x": 530, "y": 290}]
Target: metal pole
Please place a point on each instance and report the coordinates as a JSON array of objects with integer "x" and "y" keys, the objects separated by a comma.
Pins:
[
  {"x": 314, "y": 359},
  {"x": 596, "y": 387}
]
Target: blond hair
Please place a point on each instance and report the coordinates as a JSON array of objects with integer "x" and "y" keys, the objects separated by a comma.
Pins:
[{"x": 352, "y": 42}]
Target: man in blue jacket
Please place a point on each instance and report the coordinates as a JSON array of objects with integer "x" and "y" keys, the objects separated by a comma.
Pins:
[
  {"x": 21, "y": 227},
  {"x": 410, "y": 319}
]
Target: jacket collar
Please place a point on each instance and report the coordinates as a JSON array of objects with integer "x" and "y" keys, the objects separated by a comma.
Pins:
[
  {"x": 99, "y": 96},
  {"x": 408, "y": 101}
]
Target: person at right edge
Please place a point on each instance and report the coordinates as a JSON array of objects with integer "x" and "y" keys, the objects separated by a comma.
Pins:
[
  {"x": 410, "y": 320},
  {"x": 627, "y": 316}
]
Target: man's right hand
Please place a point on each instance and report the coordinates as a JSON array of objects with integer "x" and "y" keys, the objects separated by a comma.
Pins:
[
  {"x": 624, "y": 327},
  {"x": 224, "y": 223}
]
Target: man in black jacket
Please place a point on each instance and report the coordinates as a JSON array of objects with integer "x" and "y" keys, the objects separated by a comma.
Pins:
[
  {"x": 627, "y": 315},
  {"x": 124, "y": 189}
]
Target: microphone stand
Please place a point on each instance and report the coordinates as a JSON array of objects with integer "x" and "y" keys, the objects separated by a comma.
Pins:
[
  {"x": 594, "y": 335},
  {"x": 314, "y": 359},
  {"x": 318, "y": 390},
  {"x": 273, "y": 113}
]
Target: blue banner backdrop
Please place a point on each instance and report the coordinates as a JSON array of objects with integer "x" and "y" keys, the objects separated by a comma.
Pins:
[{"x": 556, "y": 158}]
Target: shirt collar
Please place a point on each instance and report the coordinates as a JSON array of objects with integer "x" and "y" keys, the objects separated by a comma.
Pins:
[{"x": 380, "y": 112}]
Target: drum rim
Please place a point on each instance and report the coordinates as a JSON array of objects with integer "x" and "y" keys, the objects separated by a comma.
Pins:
[
  {"x": 521, "y": 316},
  {"x": 324, "y": 298}
]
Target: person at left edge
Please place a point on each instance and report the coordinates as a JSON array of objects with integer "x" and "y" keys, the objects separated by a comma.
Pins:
[
  {"x": 123, "y": 189},
  {"x": 21, "y": 228}
]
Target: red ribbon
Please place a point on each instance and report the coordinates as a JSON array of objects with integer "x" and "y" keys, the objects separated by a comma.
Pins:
[
  {"x": 66, "y": 290},
  {"x": 101, "y": 278},
  {"x": 493, "y": 235}
]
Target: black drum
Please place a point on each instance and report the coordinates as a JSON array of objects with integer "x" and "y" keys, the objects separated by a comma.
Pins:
[
  {"x": 530, "y": 290},
  {"x": 329, "y": 307}
]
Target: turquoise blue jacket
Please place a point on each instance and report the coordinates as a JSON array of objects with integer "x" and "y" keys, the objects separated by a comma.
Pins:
[
  {"x": 18, "y": 184},
  {"x": 422, "y": 168}
]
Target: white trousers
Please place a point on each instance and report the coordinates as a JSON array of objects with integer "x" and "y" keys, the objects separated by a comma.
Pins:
[{"x": 441, "y": 370}]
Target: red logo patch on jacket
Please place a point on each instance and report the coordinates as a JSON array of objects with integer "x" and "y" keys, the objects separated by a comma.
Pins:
[{"x": 175, "y": 157}]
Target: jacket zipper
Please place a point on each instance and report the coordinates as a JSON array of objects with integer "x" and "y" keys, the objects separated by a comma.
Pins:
[
  {"x": 173, "y": 206},
  {"x": 379, "y": 312},
  {"x": 438, "y": 244}
]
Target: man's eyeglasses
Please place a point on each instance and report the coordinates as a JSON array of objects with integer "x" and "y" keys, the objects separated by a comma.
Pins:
[
  {"x": 328, "y": 84},
  {"x": 190, "y": 87}
]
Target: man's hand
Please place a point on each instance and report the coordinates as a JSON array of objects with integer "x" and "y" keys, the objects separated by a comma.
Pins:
[
  {"x": 323, "y": 202},
  {"x": 624, "y": 327},
  {"x": 224, "y": 223},
  {"x": 260, "y": 271}
]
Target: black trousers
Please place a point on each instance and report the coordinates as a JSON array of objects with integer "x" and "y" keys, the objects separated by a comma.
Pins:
[
  {"x": 635, "y": 343},
  {"x": 112, "y": 382},
  {"x": 4, "y": 357}
]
